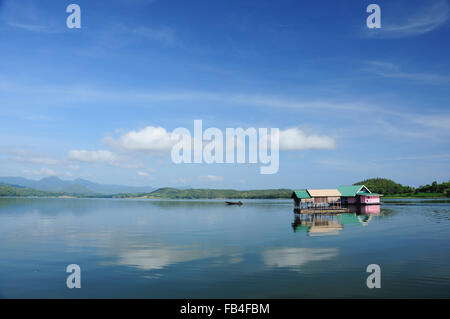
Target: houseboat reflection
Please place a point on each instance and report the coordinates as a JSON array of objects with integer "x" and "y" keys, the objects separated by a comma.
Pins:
[
  {"x": 364, "y": 209},
  {"x": 321, "y": 224}
]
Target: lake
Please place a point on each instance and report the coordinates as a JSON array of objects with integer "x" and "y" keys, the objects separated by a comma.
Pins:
[{"x": 205, "y": 249}]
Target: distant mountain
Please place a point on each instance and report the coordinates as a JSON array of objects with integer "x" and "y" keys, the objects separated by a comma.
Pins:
[
  {"x": 112, "y": 188},
  {"x": 11, "y": 185},
  {"x": 17, "y": 181},
  {"x": 77, "y": 186},
  {"x": 52, "y": 183}
]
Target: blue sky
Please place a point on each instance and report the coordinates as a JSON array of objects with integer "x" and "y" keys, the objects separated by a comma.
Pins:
[{"x": 71, "y": 99}]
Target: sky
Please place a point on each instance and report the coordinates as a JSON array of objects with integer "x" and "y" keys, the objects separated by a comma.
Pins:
[{"x": 101, "y": 102}]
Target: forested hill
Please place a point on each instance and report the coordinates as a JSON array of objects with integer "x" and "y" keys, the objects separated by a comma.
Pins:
[
  {"x": 385, "y": 186},
  {"x": 389, "y": 187},
  {"x": 167, "y": 193},
  {"x": 19, "y": 191},
  {"x": 174, "y": 193},
  {"x": 15, "y": 191}
]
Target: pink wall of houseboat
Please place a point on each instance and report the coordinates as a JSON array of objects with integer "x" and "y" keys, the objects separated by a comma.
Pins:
[
  {"x": 351, "y": 200},
  {"x": 370, "y": 200}
]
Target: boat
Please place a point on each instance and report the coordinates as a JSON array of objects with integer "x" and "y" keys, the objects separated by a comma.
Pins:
[{"x": 234, "y": 203}]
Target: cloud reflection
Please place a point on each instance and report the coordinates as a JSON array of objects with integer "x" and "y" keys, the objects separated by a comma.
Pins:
[
  {"x": 161, "y": 257},
  {"x": 296, "y": 257}
]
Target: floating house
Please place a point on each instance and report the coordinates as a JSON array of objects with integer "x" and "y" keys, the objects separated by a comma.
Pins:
[
  {"x": 334, "y": 198},
  {"x": 358, "y": 194}
]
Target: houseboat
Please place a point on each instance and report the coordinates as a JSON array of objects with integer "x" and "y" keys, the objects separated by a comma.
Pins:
[{"x": 333, "y": 200}]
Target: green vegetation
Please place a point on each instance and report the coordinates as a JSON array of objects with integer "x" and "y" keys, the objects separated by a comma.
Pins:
[
  {"x": 389, "y": 188},
  {"x": 173, "y": 193},
  {"x": 167, "y": 193},
  {"x": 23, "y": 192},
  {"x": 16, "y": 191},
  {"x": 385, "y": 186}
]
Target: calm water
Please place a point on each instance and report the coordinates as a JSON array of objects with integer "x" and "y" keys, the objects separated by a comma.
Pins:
[{"x": 180, "y": 249}]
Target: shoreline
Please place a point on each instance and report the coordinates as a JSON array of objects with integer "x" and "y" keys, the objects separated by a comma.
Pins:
[{"x": 206, "y": 198}]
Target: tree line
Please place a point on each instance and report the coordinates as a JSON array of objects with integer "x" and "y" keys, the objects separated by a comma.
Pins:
[{"x": 389, "y": 187}]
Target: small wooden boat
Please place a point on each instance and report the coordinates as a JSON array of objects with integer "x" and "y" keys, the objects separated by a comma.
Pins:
[{"x": 234, "y": 203}]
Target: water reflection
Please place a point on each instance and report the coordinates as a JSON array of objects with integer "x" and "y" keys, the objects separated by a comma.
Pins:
[
  {"x": 296, "y": 257},
  {"x": 160, "y": 257},
  {"x": 193, "y": 249},
  {"x": 365, "y": 209},
  {"x": 322, "y": 224}
]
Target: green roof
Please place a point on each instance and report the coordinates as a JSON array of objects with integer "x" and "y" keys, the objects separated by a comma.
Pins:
[
  {"x": 368, "y": 194},
  {"x": 349, "y": 191},
  {"x": 302, "y": 194}
]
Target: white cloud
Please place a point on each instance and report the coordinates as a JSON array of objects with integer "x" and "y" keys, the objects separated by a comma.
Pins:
[
  {"x": 295, "y": 139},
  {"x": 41, "y": 172},
  {"x": 31, "y": 27},
  {"x": 417, "y": 158},
  {"x": 26, "y": 156},
  {"x": 37, "y": 160},
  {"x": 159, "y": 140},
  {"x": 150, "y": 139},
  {"x": 181, "y": 181},
  {"x": 211, "y": 178},
  {"x": 93, "y": 156},
  {"x": 441, "y": 121},
  {"x": 134, "y": 165},
  {"x": 165, "y": 35},
  {"x": 424, "y": 20},
  {"x": 143, "y": 174},
  {"x": 82, "y": 94},
  {"x": 29, "y": 16},
  {"x": 281, "y": 102},
  {"x": 391, "y": 70},
  {"x": 47, "y": 171}
]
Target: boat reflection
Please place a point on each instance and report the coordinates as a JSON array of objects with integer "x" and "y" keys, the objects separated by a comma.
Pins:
[{"x": 322, "y": 224}]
